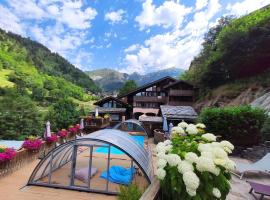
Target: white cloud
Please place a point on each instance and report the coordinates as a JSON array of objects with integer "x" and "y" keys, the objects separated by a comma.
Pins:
[
  {"x": 175, "y": 48},
  {"x": 115, "y": 17},
  {"x": 201, "y": 4},
  {"x": 246, "y": 6},
  {"x": 70, "y": 13},
  {"x": 10, "y": 22},
  {"x": 169, "y": 14},
  {"x": 83, "y": 60},
  {"x": 132, "y": 48}
]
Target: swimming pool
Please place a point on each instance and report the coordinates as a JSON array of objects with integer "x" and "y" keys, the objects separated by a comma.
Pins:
[{"x": 139, "y": 139}]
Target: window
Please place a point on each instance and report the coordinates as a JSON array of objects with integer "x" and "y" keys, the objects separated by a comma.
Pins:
[{"x": 115, "y": 117}]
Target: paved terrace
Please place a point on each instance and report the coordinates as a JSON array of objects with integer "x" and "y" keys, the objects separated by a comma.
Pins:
[{"x": 12, "y": 187}]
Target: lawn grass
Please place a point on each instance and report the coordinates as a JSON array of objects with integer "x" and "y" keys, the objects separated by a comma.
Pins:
[{"x": 4, "y": 82}]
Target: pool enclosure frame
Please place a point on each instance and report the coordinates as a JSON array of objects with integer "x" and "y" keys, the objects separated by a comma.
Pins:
[
  {"x": 110, "y": 138},
  {"x": 132, "y": 121}
]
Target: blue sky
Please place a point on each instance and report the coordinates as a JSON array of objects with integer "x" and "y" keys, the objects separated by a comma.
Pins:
[{"x": 129, "y": 36}]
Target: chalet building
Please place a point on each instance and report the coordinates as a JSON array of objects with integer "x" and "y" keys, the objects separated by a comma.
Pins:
[
  {"x": 116, "y": 108},
  {"x": 148, "y": 99}
]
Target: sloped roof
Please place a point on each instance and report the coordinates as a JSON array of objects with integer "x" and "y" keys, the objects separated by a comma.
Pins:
[
  {"x": 109, "y": 110},
  {"x": 178, "y": 112},
  {"x": 147, "y": 86},
  {"x": 109, "y": 98},
  {"x": 177, "y": 82}
]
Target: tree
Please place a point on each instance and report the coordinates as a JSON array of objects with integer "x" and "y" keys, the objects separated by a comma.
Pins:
[
  {"x": 63, "y": 114},
  {"x": 127, "y": 87},
  {"x": 39, "y": 93},
  {"x": 19, "y": 116}
]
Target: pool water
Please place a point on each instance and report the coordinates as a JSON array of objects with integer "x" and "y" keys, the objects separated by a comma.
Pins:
[{"x": 139, "y": 139}]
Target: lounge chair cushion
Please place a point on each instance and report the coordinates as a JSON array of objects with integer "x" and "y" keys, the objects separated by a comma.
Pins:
[
  {"x": 82, "y": 174},
  {"x": 119, "y": 175}
]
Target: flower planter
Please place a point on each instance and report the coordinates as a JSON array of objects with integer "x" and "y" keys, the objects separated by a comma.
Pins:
[{"x": 158, "y": 136}]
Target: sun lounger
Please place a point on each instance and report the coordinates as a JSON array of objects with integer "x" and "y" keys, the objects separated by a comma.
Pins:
[
  {"x": 262, "y": 165},
  {"x": 258, "y": 188}
]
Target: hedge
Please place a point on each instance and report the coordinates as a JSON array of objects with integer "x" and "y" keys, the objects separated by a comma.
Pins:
[{"x": 239, "y": 124}]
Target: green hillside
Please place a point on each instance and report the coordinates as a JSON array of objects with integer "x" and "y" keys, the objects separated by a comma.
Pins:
[
  {"x": 236, "y": 49},
  {"x": 42, "y": 74}
]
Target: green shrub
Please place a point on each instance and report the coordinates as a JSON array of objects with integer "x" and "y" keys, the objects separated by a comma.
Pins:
[
  {"x": 19, "y": 116},
  {"x": 131, "y": 192},
  {"x": 266, "y": 129},
  {"x": 63, "y": 114},
  {"x": 239, "y": 124}
]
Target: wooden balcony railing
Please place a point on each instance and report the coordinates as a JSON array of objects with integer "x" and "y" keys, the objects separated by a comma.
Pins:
[
  {"x": 159, "y": 99},
  {"x": 181, "y": 92}
]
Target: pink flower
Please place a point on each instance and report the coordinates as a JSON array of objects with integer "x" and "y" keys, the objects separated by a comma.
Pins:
[
  {"x": 32, "y": 144},
  {"x": 52, "y": 139},
  {"x": 74, "y": 129},
  {"x": 63, "y": 133},
  {"x": 7, "y": 155}
]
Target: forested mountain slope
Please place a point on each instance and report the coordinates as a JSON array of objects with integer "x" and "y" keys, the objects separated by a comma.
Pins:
[
  {"x": 31, "y": 68},
  {"x": 233, "y": 66},
  {"x": 18, "y": 52}
]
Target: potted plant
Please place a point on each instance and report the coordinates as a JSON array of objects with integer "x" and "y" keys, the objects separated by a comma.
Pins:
[
  {"x": 6, "y": 154},
  {"x": 32, "y": 143},
  {"x": 192, "y": 165},
  {"x": 51, "y": 139},
  {"x": 63, "y": 133}
]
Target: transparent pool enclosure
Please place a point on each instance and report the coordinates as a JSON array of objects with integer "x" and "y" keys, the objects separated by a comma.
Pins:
[{"x": 60, "y": 167}]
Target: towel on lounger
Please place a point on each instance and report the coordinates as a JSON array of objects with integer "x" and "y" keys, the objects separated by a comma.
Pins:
[{"x": 119, "y": 175}]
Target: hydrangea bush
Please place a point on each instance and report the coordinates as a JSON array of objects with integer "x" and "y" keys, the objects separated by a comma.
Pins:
[
  {"x": 193, "y": 165},
  {"x": 6, "y": 154}
]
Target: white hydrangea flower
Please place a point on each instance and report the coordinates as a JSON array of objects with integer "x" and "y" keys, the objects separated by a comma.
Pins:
[
  {"x": 216, "y": 193},
  {"x": 184, "y": 166},
  {"x": 160, "y": 147},
  {"x": 219, "y": 153},
  {"x": 161, "y": 163},
  {"x": 227, "y": 150},
  {"x": 191, "y": 157},
  {"x": 209, "y": 137},
  {"x": 178, "y": 130},
  {"x": 207, "y": 154},
  {"x": 173, "y": 159},
  {"x": 220, "y": 161},
  {"x": 227, "y": 145},
  {"x": 167, "y": 142},
  {"x": 168, "y": 148},
  {"x": 207, "y": 164},
  {"x": 215, "y": 144},
  {"x": 161, "y": 173},
  {"x": 204, "y": 147},
  {"x": 200, "y": 125},
  {"x": 183, "y": 124},
  {"x": 230, "y": 165},
  {"x": 191, "y": 192},
  {"x": 192, "y": 129},
  {"x": 161, "y": 155},
  {"x": 191, "y": 180}
]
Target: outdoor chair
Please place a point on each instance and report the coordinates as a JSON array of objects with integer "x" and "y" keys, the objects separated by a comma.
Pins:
[
  {"x": 262, "y": 165},
  {"x": 258, "y": 188}
]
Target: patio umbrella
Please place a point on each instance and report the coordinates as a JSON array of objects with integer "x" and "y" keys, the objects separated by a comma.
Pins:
[
  {"x": 47, "y": 132},
  {"x": 96, "y": 114},
  {"x": 165, "y": 124},
  {"x": 81, "y": 124}
]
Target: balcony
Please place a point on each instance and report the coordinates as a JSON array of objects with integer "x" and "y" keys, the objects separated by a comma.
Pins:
[
  {"x": 159, "y": 99},
  {"x": 181, "y": 92}
]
